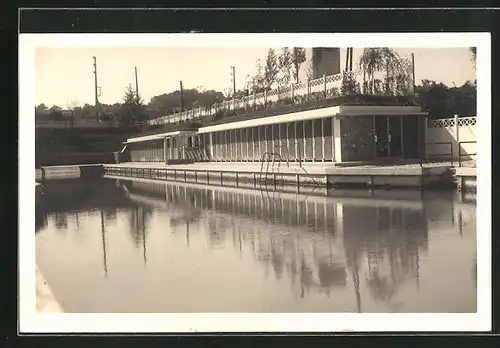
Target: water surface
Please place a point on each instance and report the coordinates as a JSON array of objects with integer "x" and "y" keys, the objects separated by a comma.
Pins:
[{"x": 114, "y": 246}]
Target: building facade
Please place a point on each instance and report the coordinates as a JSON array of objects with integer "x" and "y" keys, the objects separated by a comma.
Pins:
[{"x": 333, "y": 134}]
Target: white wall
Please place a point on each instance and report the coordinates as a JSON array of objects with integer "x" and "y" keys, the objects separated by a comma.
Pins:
[{"x": 451, "y": 130}]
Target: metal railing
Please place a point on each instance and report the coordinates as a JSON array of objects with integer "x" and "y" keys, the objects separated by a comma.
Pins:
[
  {"x": 461, "y": 154},
  {"x": 269, "y": 157},
  {"x": 276, "y": 156},
  {"x": 439, "y": 155}
]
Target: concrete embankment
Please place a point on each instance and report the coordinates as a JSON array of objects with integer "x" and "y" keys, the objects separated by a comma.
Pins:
[
  {"x": 466, "y": 178},
  {"x": 238, "y": 174},
  {"x": 45, "y": 300},
  {"x": 90, "y": 171}
]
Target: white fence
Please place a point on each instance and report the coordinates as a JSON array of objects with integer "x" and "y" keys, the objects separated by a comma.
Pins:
[
  {"x": 328, "y": 84},
  {"x": 456, "y": 135}
]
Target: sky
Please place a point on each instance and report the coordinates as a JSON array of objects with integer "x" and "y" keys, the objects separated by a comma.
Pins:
[{"x": 64, "y": 75}]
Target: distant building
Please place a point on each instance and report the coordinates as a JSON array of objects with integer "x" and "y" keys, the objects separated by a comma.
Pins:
[{"x": 67, "y": 113}]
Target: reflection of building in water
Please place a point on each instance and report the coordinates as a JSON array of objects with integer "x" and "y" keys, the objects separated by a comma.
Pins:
[
  {"x": 110, "y": 214},
  {"x": 316, "y": 243},
  {"x": 289, "y": 234},
  {"x": 391, "y": 237},
  {"x": 181, "y": 201},
  {"x": 61, "y": 221},
  {"x": 65, "y": 201},
  {"x": 40, "y": 218},
  {"x": 280, "y": 229}
]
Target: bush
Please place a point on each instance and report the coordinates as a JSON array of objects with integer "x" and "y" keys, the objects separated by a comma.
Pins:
[{"x": 349, "y": 85}]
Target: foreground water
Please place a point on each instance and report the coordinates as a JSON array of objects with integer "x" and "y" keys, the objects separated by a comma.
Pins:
[{"x": 131, "y": 246}]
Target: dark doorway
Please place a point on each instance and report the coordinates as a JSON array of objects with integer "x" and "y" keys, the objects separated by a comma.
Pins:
[
  {"x": 381, "y": 137},
  {"x": 388, "y": 136},
  {"x": 411, "y": 132},
  {"x": 395, "y": 130}
]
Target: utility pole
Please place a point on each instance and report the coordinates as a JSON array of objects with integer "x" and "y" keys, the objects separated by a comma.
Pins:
[
  {"x": 413, "y": 70},
  {"x": 96, "y": 88},
  {"x": 136, "y": 87},
  {"x": 233, "y": 79},
  {"x": 182, "y": 98},
  {"x": 348, "y": 61}
]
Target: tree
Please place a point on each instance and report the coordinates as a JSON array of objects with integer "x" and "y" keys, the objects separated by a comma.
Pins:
[
  {"x": 433, "y": 98},
  {"x": 170, "y": 102},
  {"x": 42, "y": 112},
  {"x": 285, "y": 66},
  {"x": 41, "y": 107},
  {"x": 309, "y": 70},
  {"x": 71, "y": 105},
  {"x": 462, "y": 100},
  {"x": 298, "y": 57},
  {"x": 271, "y": 69},
  {"x": 132, "y": 110},
  {"x": 248, "y": 84},
  {"x": 228, "y": 93},
  {"x": 258, "y": 81},
  {"x": 396, "y": 71},
  {"x": 130, "y": 97},
  {"x": 55, "y": 113},
  {"x": 349, "y": 85},
  {"x": 472, "y": 50},
  {"x": 371, "y": 61}
]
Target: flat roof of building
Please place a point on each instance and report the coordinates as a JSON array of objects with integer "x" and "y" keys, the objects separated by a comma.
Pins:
[
  {"x": 343, "y": 110},
  {"x": 159, "y": 136},
  {"x": 347, "y": 110}
]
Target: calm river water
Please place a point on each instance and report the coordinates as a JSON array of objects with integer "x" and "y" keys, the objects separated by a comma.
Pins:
[{"x": 114, "y": 246}]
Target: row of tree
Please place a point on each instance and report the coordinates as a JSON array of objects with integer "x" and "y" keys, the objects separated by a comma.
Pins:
[{"x": 278, "y": 69}]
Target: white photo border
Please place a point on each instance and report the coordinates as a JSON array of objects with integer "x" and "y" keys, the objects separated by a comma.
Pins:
[{"x": 32, "y": 322}]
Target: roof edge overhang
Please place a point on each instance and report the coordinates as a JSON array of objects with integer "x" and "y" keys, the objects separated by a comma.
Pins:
[
  {"x": 159, "y": 136},
  {"x": 284, "y": 118},
  {"x": 374, "y": 110},
  {"x": 347, "y": 110}
]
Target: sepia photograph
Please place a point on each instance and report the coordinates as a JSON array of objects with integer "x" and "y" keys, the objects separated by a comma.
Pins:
[{"x": 256, "y": 182}]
